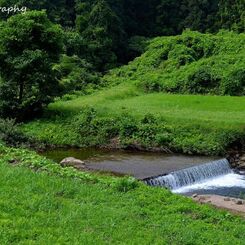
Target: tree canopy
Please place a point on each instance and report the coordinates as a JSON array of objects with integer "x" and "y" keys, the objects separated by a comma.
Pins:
[{"x": 29, "y": 45}]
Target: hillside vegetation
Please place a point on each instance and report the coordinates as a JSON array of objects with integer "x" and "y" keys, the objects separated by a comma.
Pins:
[
  {"x": 136, "y": 110},
  {"x": 190, "y": 63}
]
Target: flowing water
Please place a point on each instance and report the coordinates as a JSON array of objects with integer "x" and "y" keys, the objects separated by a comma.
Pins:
[
  {"x": 215, "y": 177},
  {"x": 186, "y": 174},
  {"x": 190, "y": 176}
]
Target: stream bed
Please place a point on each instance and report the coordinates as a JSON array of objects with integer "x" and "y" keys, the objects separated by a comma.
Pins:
[{"x": 143, "y": 165}]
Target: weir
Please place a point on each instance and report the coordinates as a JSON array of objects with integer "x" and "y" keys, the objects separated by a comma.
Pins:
[{"x": 192, "y": 175}]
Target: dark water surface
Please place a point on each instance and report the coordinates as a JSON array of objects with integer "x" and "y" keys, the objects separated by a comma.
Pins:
[
  {"x": 138, "y": 164},
  {"x": 143, "y": 165}
]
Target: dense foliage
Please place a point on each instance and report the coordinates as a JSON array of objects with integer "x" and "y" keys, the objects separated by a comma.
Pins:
[
  {"x": 106, "y": 25},
  {"x": 29, "y": 45},
  {"x": 11, "y": 134},
  {"x": 124, "y": 117},
  {"x": 75, "y": 74},
  {"x": 192, "y": 63},
  {"x": 40, "y": 60}
]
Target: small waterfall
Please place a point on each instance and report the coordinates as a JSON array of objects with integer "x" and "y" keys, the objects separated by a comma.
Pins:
[{"x": 190, "y": 176}]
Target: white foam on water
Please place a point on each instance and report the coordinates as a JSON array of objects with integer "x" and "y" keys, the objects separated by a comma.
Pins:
[
  {"x": 191, "y": 176},
  {"x": 224, "y": 181}
]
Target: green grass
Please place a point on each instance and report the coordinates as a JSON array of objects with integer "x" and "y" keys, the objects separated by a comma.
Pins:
[
  {"x": 201, "y": 124},
  {"x": 221, "y": 110},
  {"x": 44, "y": 208}
]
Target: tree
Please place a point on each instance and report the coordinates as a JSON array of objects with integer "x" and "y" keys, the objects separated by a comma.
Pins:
[
  {"x": 199, "y": 15},
  {"x": 232, "y": 15},
  {"x": 29, "y": 46},
  {"x": 104, "y": 36},
  {"x": 169, "y": 16}
]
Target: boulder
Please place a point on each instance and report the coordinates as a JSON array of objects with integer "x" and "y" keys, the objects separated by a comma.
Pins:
[
  {"x": 241, "y": 165},
  {"x": 239, "y": 202},
  {"x": 72, "y": 162},
  {"x": 242, "y": 158},
  {"x": 227, "y": 199}
]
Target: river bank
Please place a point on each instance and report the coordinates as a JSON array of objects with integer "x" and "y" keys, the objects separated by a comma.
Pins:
[
  {"x": 123, "y": 117},
  {"x": 234, "y": 205},
  {"x": 88, "y": 208}
]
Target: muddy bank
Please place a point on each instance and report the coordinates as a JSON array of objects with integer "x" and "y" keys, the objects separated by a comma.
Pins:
[{"x": 234, "y": 205}]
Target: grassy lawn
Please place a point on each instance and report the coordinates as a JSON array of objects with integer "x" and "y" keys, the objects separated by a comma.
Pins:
[
  {"x": 220, "y": 110},
  {"x": 200, "y": 124},
  {"x": 44, "y": 208}
]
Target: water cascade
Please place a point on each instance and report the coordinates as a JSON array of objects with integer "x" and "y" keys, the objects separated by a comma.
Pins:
[{"x": 192, "y": 175}]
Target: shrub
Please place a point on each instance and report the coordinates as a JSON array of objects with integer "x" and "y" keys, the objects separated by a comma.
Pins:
[
  {"x": 204, "y": 62},
  {"x": 95, "y": 130},
  {"x": 126, "y": 184},
  {"x": 128, "y": 126},
  {"x": 11, "y": 134},
  {"x": 83, "y": 122},
  {"x": 234, "y": 83},
  {"x": 182, "y": 55},
  {"x": 201, "y": 81},
  {"x": 76, "y": 74}
]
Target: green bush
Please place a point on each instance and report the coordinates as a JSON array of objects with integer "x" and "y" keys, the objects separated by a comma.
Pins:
[
  {"x": 234, "y": 83},
  {"x": 128, "y": 126},
  {"x": 11, "y": 134},
  {"x": 126, "y": 184},
  {"x": 201, "y": 81},
  {"x": 76, "y": 74},
  {"x": 95, "y": 130},
  {"x": 182, "y": 54}
]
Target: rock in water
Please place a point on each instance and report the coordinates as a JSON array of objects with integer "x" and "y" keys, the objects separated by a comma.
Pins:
[
  {"x": 72, "y": 162},
  {"x": 241, "y": 165},
  {"x": 239, "y": 202},
  {"x": 227, "y": 199}
]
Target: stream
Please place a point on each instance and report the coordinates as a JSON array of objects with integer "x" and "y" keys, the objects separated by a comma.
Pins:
[
  {"x": 197, "y": 176},
  {"x": 141, "y": 165}
]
